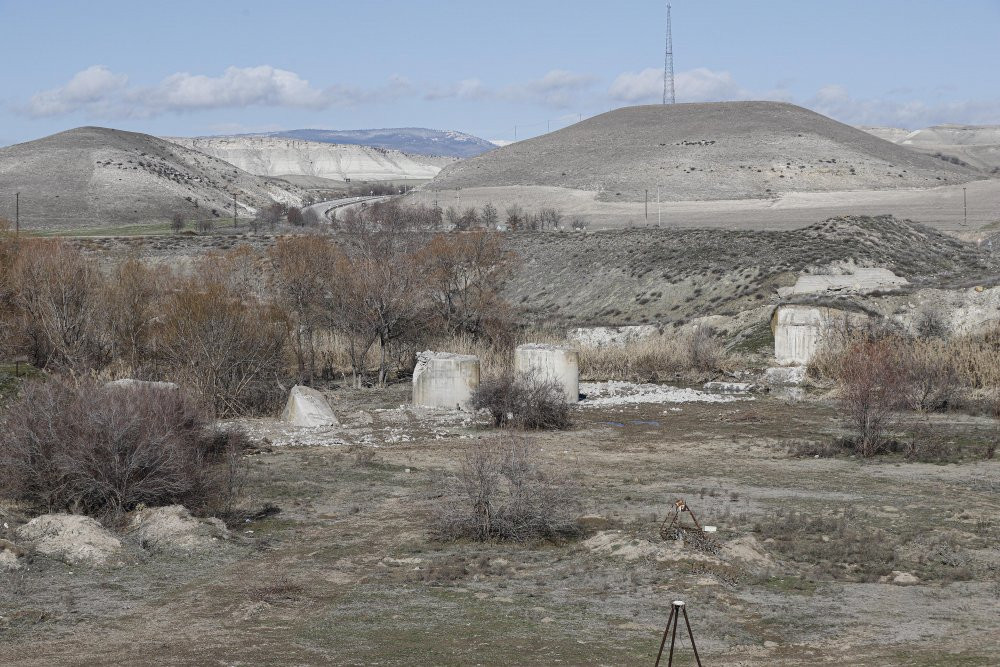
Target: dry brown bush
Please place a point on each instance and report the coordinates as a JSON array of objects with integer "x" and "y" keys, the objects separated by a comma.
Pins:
[
  {"x": 524, "y": 401},
  {"x": 98, "y": 450},
  {"x": 228, "y": 351},
  {"x": 504, "y": 494},
  {"x": 869, "y": 383},
  {"x": 56, "y": 293}
]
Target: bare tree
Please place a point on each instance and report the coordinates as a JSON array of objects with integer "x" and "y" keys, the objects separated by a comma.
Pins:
[
  {"x": 490, "y": 217},
  {"x": 295, "y": 217},
  {"x": 301, "y": 267},
  {"x": 177, "y": 222},
  {"x": 465, "y": 277},
  {"x": 869, "y": 380}
]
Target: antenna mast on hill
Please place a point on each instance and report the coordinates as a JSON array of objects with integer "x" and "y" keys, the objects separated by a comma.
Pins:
[{"x": 668, "y": 64}]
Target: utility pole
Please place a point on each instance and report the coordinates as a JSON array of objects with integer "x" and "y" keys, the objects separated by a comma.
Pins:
[
  {"x": 235, "y": 213},
  {"x": 646, "y": 204},
  {"x": 965, "y": 207},
  {"x": 17, "y": 214},
  {"x": 659, "y": 218}
]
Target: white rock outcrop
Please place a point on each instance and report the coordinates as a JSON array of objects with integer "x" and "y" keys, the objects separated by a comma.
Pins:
[
  {"x": 71, "y": 538},
  {"x": 445, "y": 380},
  {"x": 550, "y": 362},
  {"x": 279, "y": 156},
  {"x": 308, "y": 407}
]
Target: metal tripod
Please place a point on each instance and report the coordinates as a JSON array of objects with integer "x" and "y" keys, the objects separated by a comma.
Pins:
[{"x": 676, "y": 610}]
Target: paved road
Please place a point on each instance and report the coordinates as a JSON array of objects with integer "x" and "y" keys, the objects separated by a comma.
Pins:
[{"x": 324, "y": 208}]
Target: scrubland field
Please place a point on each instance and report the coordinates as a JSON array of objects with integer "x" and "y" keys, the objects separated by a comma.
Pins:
[{"x": 855, "y": 499}]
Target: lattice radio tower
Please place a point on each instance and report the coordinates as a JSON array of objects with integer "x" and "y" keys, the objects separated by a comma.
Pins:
[{"x": 668, "y": 65}]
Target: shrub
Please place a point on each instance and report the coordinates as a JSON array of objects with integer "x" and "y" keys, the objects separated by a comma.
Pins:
[
  {"x": 525, "y": 401},
  {"x": 102, "y": 451},
  {"x": 869, "y": 383},
  {"x": 505, "y": 495},
  {"x": 230, "y": 353}
]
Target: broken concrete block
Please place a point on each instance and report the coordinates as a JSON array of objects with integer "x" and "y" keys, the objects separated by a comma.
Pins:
[
  {"x": 858, "y": 280},
  {"x": 445, "y": 380},
  {"x": 550, "y": 362},
  {"x": 785, "y": 376},
  {"x": 308, "y": 407},
  {"x": 799, "y": 330}
]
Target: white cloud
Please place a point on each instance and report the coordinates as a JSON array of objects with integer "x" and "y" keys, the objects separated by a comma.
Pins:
[
  {"x": 559, "y": 88},
  {"x": 836, "y": 101},
  {"x": 237, "y": 87},
  {"x": 100, "y": 92},
  {"x": 500, "y": 142},
  {"x": 697, "y": 85},
  {"x": 92, "y": 86}
]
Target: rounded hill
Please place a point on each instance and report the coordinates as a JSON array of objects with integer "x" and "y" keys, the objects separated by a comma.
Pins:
[
  {"x": 713, "y": 151},
  {"x": 95, "y": 176}
]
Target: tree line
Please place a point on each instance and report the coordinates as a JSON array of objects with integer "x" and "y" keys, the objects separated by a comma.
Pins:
[{"x": 236, "y": 328}]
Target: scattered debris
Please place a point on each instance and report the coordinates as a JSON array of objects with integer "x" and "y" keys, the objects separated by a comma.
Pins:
[{"x": 629, "y": 393}]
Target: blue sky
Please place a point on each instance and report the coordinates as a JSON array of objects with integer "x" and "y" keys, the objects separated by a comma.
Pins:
[{"x": 208, "y": 67}]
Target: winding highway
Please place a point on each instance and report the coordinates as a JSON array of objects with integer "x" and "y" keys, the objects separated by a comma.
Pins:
[{"x": 324, "y": 208}]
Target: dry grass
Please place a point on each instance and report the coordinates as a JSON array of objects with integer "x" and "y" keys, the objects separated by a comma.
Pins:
[{"x": 935, "y": 367}]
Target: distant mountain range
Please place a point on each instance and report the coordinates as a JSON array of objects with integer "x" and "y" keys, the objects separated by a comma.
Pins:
[{"x": 416, "y": 140}]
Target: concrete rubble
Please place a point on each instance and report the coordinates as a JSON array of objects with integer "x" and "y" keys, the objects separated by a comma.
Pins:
[
  {"x": 550, "y": 362},
  {"x": 131, "y": 383},
  {"x": 308, "y": 407},
  {"x": 785, "y": 376},
  {"x": 856, "y": 280},
  {"x": 445, "y": 379}
]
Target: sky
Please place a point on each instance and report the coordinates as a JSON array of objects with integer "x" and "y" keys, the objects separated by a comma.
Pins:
[{"x": 217, "y": 67}]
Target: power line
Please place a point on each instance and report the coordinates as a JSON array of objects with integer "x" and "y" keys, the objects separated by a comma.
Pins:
[{"x": 668, "y": 64}]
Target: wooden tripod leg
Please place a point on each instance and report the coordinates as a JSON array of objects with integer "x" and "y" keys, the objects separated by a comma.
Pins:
[
  {"x": 673, "y": 638},
  {"x": 688, "y": 624},
  {"x": 665, "y": 631}
]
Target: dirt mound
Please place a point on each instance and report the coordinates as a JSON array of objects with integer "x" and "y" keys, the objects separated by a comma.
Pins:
[
  {"x": 71, "y": 538},
  {"x": 94, "y": 176},
  {"x": 173, "y": 528},
  {"x": 9, "y": 556},
  {"x": 749, "y": 551},
  {"x": 716, "y": 151}
]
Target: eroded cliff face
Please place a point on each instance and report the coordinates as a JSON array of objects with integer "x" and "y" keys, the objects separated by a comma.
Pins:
[{"x": 276, "y": 156}]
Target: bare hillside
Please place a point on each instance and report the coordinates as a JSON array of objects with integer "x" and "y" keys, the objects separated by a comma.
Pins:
[
  {"x": 283, "y": 157},
  {"x": 93, "y": 176},
  {"x": 667, "y": 276},
  {"x": 716, "y": 151}
]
